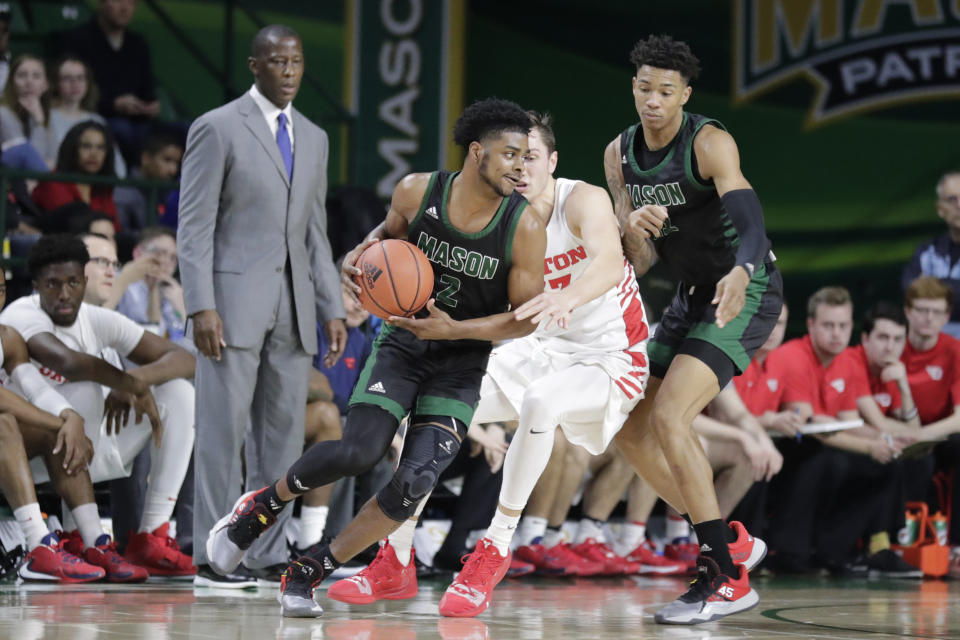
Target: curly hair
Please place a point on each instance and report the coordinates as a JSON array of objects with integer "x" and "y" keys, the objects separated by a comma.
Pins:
[
  {"x": 58, "y": 248},
  {"x": 663, "y": 52},
  {"x": 489, "y": 117}
]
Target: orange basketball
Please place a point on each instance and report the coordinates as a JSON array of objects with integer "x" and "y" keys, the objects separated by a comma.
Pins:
[{"x": 396, "y": 280}]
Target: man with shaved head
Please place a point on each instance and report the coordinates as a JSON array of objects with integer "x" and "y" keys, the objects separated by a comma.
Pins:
[{"x": 257, "y": 274}]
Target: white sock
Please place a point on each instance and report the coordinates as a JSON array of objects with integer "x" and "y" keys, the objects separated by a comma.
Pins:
[
  {"x": 157, "y": 510},
  {"x": 501, "y": 531},
  {"x": 169, "y": 462},
  {"x": 634, "y": 534},
  {"x": 552, "y": 537},
  {"x": 589, "y": 528},
  {"x": 531, "y": 528},
  {"x": 31, "y": 524},
  {"x": 88, "y": 522},
  {"x": 677, "y": 527},
  {"x": 312, "y": 522},
  {"x": 402, "y": 540}
]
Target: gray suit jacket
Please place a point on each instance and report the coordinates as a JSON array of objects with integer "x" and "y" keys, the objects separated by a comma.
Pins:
[{"x": 241, "y": 220}]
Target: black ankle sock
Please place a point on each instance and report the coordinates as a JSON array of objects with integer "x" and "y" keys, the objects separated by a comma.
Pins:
[
  {"x": 270, "y": 499},
  {"x": 326, "y": 559},
  {"x": 713, "y": 544},
  {"x": 730, "y": 533}
]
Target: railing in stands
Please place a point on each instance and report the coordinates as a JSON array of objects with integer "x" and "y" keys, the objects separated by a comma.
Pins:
[{"x": 153, "y": 189}]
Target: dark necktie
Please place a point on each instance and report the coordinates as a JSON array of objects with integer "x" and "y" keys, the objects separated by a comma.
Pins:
[{"x": 283, "y": 141}]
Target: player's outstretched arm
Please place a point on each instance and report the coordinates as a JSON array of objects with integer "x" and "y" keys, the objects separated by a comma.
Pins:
[
  {"x": 636, "y": 243},
  {"x": 524, "y": 282},
  {"x": 590, "y": 217}
]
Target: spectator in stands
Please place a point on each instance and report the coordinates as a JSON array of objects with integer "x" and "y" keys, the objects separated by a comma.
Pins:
[
  {"x": 932, "y": 360},
  {"x": 87, "y": 149},
  {"x": 120, "y": 59},
  {"x": 159, "y": 160},
  {"x": 940, "y": 257},
  {"x": 96, "y": 222},
  {"x": 25, "y": 108},
  {"x": 5, "y": 19},
  {"x": 71, "y": 340},
  {"x": 156, "y": 299},
  {"x": 74, "y": 100}
]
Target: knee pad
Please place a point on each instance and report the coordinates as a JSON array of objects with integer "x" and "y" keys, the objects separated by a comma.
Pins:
[{"x": 427, "y": 451}]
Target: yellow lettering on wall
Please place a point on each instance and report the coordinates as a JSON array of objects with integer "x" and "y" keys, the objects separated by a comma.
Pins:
[{"x": 794, "y": 20}]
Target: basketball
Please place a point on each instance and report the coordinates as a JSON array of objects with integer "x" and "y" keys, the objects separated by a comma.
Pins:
[{"x": 396, "y": 278}]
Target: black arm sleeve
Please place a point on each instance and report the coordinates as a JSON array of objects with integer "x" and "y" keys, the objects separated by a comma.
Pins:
[{"x": 743, "y": 207}]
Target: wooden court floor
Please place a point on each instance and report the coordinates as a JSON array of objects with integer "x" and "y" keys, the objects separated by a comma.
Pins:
[{"x": 537, "y": 609}]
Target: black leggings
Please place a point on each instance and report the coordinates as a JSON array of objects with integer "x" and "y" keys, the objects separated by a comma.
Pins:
[{"x": 367, "y": 435}]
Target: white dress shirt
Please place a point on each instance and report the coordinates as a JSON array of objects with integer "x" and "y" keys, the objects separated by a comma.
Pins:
[{"x": 271, "y": 112}]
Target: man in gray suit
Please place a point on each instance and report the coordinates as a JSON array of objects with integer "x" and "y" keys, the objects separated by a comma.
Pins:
[{"x": 257, "y": 273}]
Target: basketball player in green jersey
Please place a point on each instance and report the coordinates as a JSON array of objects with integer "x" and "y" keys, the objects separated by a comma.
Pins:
[
  {"x": 486, "y": 248},
  {"x": 679, "y": 194}
]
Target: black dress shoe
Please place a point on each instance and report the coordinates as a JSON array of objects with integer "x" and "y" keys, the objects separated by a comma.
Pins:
[{"x": 207, "y": 577}]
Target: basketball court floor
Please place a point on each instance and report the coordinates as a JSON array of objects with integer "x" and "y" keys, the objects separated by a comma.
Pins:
[{"x": 536, "y": 609}]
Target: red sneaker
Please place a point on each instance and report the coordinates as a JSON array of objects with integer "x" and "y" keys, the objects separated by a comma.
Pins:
[
  {"x": 50, "y": 561},
  {"x": 686, "y": 552},
  {"x": 564, "y": 561},
  {"x": 651, "y": 563},
  {"x": 746, "y": 550},
  {"x": 601, "y": 553},
  {"x": 710, "y": 597},
  {"x": 383, "y": 579},
  {"x": 470, "y": 593},
  {"x": 104, "y": 555},
  {"x": 158, "y": 553},
  {"x": 519, "y": 568}
]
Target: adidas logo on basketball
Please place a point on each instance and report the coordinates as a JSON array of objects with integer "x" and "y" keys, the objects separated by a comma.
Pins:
[
  {"x": 432, "y": 212},
  {"x": 377, "y": 387},
  {"x": 371, "y": 272}
]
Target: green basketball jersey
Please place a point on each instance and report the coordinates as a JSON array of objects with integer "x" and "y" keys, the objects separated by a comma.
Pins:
[
  {"x": 469, "y": 269},
  {"x": 698, "y": 242}
]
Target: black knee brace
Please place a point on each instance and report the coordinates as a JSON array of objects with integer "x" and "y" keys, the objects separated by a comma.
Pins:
[{"x": 428, "y": 449}]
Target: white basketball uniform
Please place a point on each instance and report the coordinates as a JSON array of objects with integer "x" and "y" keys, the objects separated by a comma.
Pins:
[{"x": 585, "y": 378}]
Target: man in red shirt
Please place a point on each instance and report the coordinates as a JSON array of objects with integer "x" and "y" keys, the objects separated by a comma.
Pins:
[
  {"x": 884, "y": 396},
  {"x": 869, "y": 496},
  {"x": 761, "y": 391},
  {"x": 932, "y": 361}
]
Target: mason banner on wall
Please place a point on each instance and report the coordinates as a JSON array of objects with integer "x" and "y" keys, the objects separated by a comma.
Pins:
[
  {"x": 862, "y": 55},
  {"x": 405, "y": 75}
]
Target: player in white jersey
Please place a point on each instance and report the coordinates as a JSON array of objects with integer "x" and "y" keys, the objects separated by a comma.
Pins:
[{"x": 584, "y": 369}]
